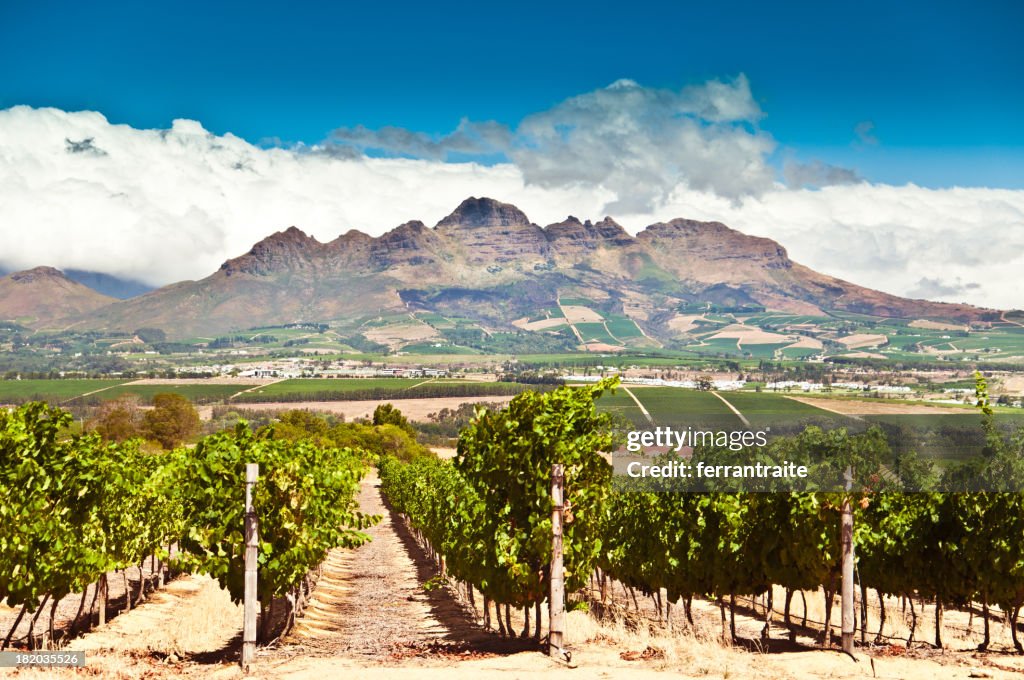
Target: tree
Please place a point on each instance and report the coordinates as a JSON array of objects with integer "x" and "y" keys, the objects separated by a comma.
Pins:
[
  {"x": 387, "y": 414},
  {"x": 172, "y": 420},
  {"x": 705, "y": 383},
  {"x": 120, "y": 419},
  {"x": 151, "y": 335}
]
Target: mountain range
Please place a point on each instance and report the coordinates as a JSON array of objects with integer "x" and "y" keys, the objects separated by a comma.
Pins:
[{"x": 487, "y": 263}]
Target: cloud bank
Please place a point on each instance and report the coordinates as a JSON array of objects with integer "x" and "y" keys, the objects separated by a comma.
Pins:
[
  {"x": 162, "y": 205},
  {"x": 636, "y": 141}
]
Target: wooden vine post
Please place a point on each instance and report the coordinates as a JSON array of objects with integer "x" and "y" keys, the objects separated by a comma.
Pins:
[
  {"x": 251, "y": 608},
  {"x": 102, "y": 597},
  {"x": 556, "y": 601},
  {"x": 847, "y": 573}
]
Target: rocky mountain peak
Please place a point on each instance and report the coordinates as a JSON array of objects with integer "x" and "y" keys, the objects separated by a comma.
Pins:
[
  {"x": 289, "y": 235},
  {"x": 411, "y": 243},
  {"x": 38, "y": 274},
  {"x": 587, "y": 234},
  {"x": 484, "y": 212},
  {"x": 291, "y": 249},
  {"x": 714, "y": 242},
  {"x": 493, "y": 233},
  {"x": 610, "y": 230}
]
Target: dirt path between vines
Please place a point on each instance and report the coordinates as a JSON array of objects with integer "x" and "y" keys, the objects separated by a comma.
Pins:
[
  {"x": 370, "y": 617},
  {"x": 370, "y": 603}
]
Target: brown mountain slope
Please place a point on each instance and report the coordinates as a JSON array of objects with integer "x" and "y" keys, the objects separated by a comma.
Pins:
[
  {"x": 44, "y": 296},
  {"x": 487, "y": 262}
]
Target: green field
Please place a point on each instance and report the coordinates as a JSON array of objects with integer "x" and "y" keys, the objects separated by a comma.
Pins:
[
  {"x": 799, "y": 352},
  {"x": 54, "y": 391},
  {"x": 765, "y": 351},
  {"x": 575, "y": 302},
  {"x": 774, "y": 319},
  {"x": 595, "y": 332},
  {"x": 678, "y": 407},
  {"x": 196, "y": 393},
  {"x": 717, "y": 346},
  {"x": 621, "y": 405},
  {"x": 547, "y": 313},
  {"x": 436, "y": 348},
  {"x": 357, "y": 389},
  {"x": 624, "y": 328},
  {"x": 765, "y": 409},
  {"x": 944, "y": 437},
  {"x": 435, "y": 319}
]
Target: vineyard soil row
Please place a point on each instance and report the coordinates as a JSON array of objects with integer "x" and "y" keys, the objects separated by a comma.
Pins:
[{"x": 370, "y": 617}]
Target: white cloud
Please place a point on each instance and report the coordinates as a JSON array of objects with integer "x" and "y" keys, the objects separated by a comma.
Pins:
[
  {"x": 162, "y": 205},
  {"x": 890, "y": 237},
  {"x": 639, "y": 142}
]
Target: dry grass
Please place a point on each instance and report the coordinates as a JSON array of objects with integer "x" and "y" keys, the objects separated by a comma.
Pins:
[
  {"x": 191, "y": 616},
  {"x": 806, "y": 342},
  {"x": 397, "y": 334},
  {"x": 542, "y": 325},
  {"x": 683, "y": 323},
  {"x": 750, "y": 335},
  {"x": 858, "y": 340},
  {"x": 852, "y": 407},
  {"x": 936, "y": 325},
  {"x": 574, "y": 314}
]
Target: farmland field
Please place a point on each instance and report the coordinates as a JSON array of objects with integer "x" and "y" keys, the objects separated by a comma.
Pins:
[
  {"x": 678, "y": 407},
  {"x": 764, "y": 351},
  {"x": 717, "y": 346},
  {"x": 799, "y": 352},
  {"x": 306, "y": 386},
  {"x": 943, "y": 437},
  {"x": 17, "y": 391},
  {"x": 575, "y": 302},
  {"x": 438, "y": 348},
  {"x": 781, "y": 413},
  {"x": 359, "y": 389},
  {"x": 595, "y": 332},
  {"x": 620, "y": 404},
  {"x": 623, "y": 328},
  {"x": 197, "y": 393}
]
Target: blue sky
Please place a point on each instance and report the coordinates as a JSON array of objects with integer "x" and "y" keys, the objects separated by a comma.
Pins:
[{"x": 939, "y": 82}]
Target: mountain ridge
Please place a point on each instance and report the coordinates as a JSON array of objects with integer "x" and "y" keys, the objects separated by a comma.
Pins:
[
  {"x": 44, "y": 295},
  {"x": 488, "y": 262}
]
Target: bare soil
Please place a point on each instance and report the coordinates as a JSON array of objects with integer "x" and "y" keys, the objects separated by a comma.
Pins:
[
  {"x": 413, "y": 409},
  {"x": 370, "y": 603},
  {"x": 851, "y": 407},
  {"x": 750, "y": 335},
  {"x": 858, "y": 340}
]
